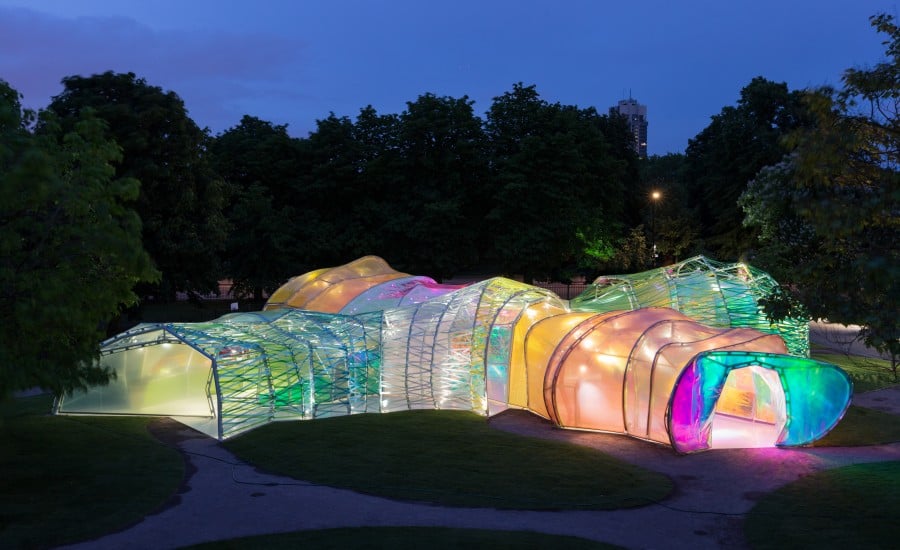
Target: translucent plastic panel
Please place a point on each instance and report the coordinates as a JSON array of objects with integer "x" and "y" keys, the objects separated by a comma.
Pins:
[
  {"x": 529, "y": 303},
  {"x": 308, "y": 292},
  {"x": 140, "y": 335},
  {"x": 289, "y": 364},
  {"x": 455, "y": 351},
  {"x": 428, "y": 291},
  {"x": 587, "y": 391},
  {"x": 540, "y": 343},
  {"x": 394, "y": 338},
  {"x": 384, "y": 295},
  {"x": 713, "y": 293},
  {"x": 367, "y": 266},
  {"x": 399, "y": 292},
  {"x": 245, "y": 391},
  {"x": 161, "y": 380},
  {"x": 818, "y": 395},
  {"x": 815, "y": 395},
  {"x": 330, "y": 381},
  {"x": 497, "y": 366},
  {"x": 284, "y": 293},
  {"x": 427, "y": 353},
  {"x": 518, "y": 373},
  {"x": 336, "y": 295},
  {"x": 674, "y": 358},
  {"x": 331, "y": 289},
  {"x": 606, "y": 294}
]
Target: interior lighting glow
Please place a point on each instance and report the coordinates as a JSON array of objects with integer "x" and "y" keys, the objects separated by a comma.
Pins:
[{"x": 680, "y": 356}]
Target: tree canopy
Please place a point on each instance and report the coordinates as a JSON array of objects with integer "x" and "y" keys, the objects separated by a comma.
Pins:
[
  {"x": 828, "y": 213},
  {"x": 260, "y": 164},
  {"x": 70, "y": 247},
  {"x": 560, "y": 182},
  {"x": 434, "y": 188},
  {"x": 728, "y": 153},
  {"x": 181, "y": 198}
]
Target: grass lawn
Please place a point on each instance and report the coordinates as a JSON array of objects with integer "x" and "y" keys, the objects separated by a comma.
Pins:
[
  {"x": 406, "y": 538},
  {"x": 450, "y": 458},
  {"x": 66, "y": 479},
  {"x": 850, "y": 507},
  {"x": 861, "y": 426}
]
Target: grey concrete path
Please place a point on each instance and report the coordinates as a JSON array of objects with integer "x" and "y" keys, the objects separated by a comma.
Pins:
[{"x": 223, "y": 498}]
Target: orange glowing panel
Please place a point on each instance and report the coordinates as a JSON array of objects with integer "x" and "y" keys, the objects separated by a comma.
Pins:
[{"x": 329, "y": 290}]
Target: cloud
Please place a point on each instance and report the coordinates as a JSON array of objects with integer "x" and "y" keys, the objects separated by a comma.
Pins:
[{"x": 212, "y": 71}]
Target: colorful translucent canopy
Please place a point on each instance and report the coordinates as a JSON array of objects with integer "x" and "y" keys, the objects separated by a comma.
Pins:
[
  {"x": 384, "y": 341},
  {"x": 713, "y": 293}
]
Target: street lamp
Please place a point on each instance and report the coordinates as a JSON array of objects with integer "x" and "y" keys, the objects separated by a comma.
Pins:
[{"x": 655, "y": 196}]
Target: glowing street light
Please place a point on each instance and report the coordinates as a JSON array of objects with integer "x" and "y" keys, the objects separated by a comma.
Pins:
[{"x": 655, "y": 197}]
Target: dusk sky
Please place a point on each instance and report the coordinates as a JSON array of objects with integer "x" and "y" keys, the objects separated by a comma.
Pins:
[{"x": 294, "y": 61}]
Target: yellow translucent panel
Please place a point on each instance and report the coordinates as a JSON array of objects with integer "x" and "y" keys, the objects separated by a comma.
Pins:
[
  {"x": 308, "y": 292},
  {"x": 287, "y": 290},
  {"x": 330, "y": 289},
  {"x": 367, "y": 266},
  {"x": 518, "y": 372},
  {"x": 540, "y": 343},
  {"x": 334, "y": 297},
  {"x": 736, "y": 401}
]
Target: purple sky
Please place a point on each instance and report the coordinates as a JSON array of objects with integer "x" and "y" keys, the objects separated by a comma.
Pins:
[{"x": 294, "y": 61}]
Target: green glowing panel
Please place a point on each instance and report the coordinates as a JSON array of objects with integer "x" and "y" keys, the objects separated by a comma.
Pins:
[{"x": 713, "y": 293}]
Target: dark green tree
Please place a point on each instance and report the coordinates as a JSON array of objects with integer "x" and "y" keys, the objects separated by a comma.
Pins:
[
  {"x": 728, "y": 153},
  {"x": 260, "y": 164},
  {"x": 560, "y": 184},
  {"x": 827, "y": 215},
  {"x": 332, "y": 188},
  {"x": 379, "y": 220},
  {"x": 444, "y": 168},
  {"x": 633, "y": 252},
  {"x": 181, "y": 198},
  {"x": 70, "y": 248},
  {"x": 405, "y": 187}
]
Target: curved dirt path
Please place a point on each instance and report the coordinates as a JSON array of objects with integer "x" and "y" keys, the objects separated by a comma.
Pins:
[{"x": 223, "y": 499}]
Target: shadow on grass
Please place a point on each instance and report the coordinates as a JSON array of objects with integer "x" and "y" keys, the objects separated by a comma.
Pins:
[
  {"x": 450, "y": 458},
  {"x": 67, "y": 479},
  {"x": 861, "y": 426},
  {"x": 850, "y": 507}
]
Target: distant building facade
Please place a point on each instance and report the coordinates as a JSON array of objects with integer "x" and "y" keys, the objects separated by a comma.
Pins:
[{"x": 636, "y": 116}]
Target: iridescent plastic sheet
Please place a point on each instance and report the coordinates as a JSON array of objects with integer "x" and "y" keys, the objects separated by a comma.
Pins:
[
  {"x": 329, "y": 290},
  {"x": 404, "y": 342},
  {"x": 713, "y": 293},
  {"x": 615, "y": 371},
  {"x": 241, "y": 370},
  {"x": 816, "y": 395},
  {"x": 394, "y": 293}
]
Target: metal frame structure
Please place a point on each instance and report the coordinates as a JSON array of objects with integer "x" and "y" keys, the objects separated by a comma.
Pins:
[
  {"x": 401, "y": 342},
  {"x": 714, "y": 293}
]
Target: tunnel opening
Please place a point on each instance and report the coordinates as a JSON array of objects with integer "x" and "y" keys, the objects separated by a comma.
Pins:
[{"x": 750, "y": 411}]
